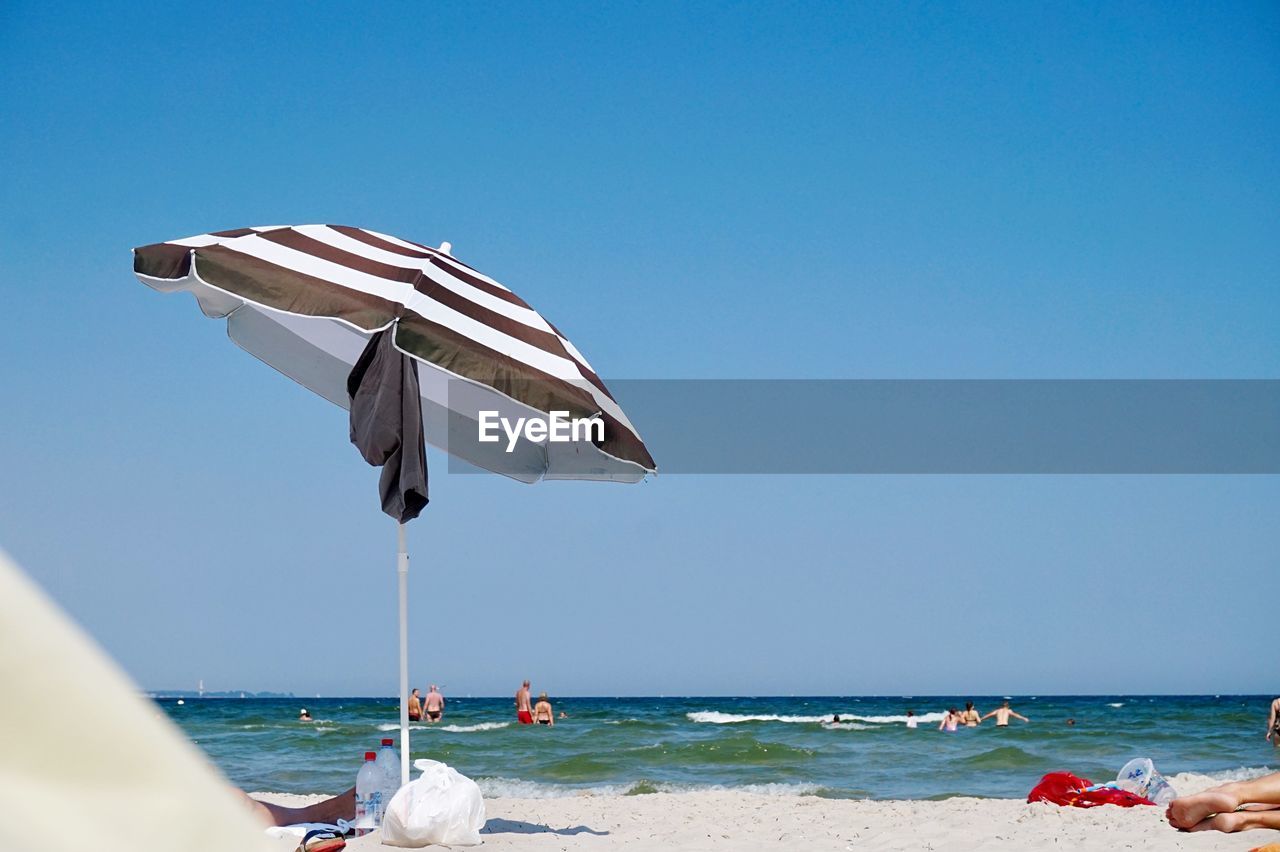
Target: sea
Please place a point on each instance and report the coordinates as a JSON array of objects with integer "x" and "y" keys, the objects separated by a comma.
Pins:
[{"x": 790, "y": 746}]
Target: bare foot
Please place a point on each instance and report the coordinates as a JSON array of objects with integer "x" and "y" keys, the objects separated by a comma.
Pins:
[
  {"x": 1227, "y": 822},
  {"x": 1186, "y": 813}
]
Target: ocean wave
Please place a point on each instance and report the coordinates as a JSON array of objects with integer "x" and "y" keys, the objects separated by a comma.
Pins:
[
  {"x": 1003, "y": 757},
  {"x": 660, "y": 723},
  {"x": 1116, "y": 704},
  {"x": 717, "y": 718},
  {"x": 466, "y": 729},
  {"x": 778, "y": 788},
  {"x": 517, "y": 788},
  {"x": 453, "y": 729},
  {"x": 733, "y": 749},
  {"x": 846, "y": 726},
  {"x": 1188, "y": 783},
  {"x": 899, "y": 720},
  {"x": 412, "y": 727}
]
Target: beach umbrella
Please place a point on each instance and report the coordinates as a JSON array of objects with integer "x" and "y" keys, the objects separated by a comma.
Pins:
[{"x": 418, "y": 346}]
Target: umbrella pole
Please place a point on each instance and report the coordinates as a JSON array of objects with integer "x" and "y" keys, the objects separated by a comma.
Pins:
[{"x": 402, "y": 570}]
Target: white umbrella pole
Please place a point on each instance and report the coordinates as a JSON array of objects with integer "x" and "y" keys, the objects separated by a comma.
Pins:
[{"x": 402, "y": 570}]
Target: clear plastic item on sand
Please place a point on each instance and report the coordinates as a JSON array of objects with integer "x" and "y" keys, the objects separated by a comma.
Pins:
[
  {"x": 440, "y": 806},
  {"x": 1139, "y": 776},
  {"x": 1161, "y": 791},
  {"x": 369, "y": 784},
  {"x": 388, "y": 763}
]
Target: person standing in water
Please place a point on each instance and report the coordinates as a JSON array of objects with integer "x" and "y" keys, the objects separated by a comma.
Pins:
[
  {"x": 434, "y": 705},
  {"x": 1002, "y": 714},
  {"x": 950, "y": 720},
  {"x": 911, "y": 719},
  {"x": 1273, "y": 724},
  {"x": 524, "y": 710},
  {"x": 542, "y": 713},
  {"x": 970, "y": 716},
  {"x": 415, "y": 706}
]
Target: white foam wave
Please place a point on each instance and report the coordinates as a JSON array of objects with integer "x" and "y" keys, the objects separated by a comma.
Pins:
[
  {"x": 716, "y": 718},
  {"x": 466, "y": 729},
  {"x": 453, "y": 729},
  {"x": 896, "y": 720},
  {"x": 846, "y": 726},
  {"x": 1189, "y": 783},
  {"x": 1116, "y": 704},
  {"x": 517, "y": 788},
  {"x": 779, "y": 788}
]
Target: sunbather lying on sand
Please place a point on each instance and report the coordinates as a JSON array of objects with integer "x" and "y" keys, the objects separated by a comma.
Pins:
[
  {"x": 342, "y": 806},
  {"x": 1236, "y": 806}
]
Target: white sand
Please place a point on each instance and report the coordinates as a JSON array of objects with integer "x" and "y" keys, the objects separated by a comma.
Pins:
[{"x": 729, "y": 821}]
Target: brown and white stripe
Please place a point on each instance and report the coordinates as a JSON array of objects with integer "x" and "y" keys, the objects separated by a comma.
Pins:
[{"x": 448, "y": 315}]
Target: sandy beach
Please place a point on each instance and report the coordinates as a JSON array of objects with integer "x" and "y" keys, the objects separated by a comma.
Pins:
[{"x": 727, "y": 820}]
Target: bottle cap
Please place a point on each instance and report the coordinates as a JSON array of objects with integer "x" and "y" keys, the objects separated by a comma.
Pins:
[
  {"x": 388, "y": 742},
  {"x": 369, "y": 755}
]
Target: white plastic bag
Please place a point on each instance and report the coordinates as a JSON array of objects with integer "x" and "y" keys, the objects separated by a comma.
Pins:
[
  {"x": 440, "y": 806},
  {"x": 1139, "y": 776}
]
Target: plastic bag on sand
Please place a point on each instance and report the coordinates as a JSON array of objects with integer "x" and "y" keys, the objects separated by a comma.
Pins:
[
  {"x": 440, "y": 806},
  {"x": 1139, "y": 776}
]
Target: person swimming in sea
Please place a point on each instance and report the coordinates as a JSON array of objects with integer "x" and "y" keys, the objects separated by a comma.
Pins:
[
  {"x": 970, "y": 716},
  {"x": 304, "y": 716},
  {"x": 911, "y": 719}
]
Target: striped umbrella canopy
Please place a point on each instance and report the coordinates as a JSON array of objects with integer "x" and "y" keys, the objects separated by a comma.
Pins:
[{"x": 307, "y": 299}]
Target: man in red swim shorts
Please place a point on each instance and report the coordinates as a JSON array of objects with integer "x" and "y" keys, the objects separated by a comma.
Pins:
[{"x": 524, "y": 710}]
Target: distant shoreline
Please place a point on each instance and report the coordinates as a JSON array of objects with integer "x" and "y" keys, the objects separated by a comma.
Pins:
[{"x": 943, "y": 697}]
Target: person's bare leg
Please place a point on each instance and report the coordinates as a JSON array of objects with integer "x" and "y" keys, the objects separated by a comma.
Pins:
[
  {"x": 1187, "y": 812},
  {"x": 1239, "y": 821},
  {"x": 342, "y": 806}
]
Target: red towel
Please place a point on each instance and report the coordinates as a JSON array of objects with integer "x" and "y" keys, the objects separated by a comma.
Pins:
[{"x": 1063, "y": 788}]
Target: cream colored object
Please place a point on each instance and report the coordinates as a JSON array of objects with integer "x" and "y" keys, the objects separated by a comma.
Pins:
[{"x": 125, "y": 778}]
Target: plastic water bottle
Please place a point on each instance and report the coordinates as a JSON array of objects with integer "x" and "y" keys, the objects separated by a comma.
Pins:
[
  {"x": 388, "y": 764},
  {"x": 369, "y": 783}
]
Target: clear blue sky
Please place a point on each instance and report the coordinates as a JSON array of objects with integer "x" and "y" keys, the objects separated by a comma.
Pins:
[{"x": 689, "y": 191}]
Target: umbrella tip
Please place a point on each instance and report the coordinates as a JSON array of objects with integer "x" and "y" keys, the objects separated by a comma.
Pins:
[{"x": 446, "y": 247}]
